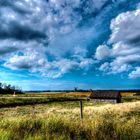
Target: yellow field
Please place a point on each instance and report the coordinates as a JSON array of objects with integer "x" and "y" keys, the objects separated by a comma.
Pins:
[
  {"x": 127, "y": 94},
  {"x": 86, "y": 94},
  {"x": 79, "y": 94}
]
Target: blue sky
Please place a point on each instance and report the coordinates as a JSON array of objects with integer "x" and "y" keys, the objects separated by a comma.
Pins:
[{"x": 62, "y": 44}]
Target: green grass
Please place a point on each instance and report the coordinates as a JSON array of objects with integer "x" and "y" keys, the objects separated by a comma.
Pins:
[
  {"x": 5, "y": 102},
  {"x": 131, "y": 98},
  {"x": 66, "y": 102},
  {"x": 49, "y": 94},
  {"x": 9, "y": 102}
]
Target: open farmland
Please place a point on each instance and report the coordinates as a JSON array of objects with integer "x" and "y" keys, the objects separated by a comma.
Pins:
[
  {"x": 81, "y": 94},
  {"x": 32, "y": 98},
  {"x": 64, "y": 94},
  {"x": 61, "y": 121},
  {"x": 56, "y": 116},
  {"x": 59, "y": 94}
]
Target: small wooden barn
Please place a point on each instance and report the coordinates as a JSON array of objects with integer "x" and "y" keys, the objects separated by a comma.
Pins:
[{"x": 106, "y": 95}]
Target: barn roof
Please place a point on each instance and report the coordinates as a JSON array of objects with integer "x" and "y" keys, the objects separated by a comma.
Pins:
[{"x": 105, "y": 94}]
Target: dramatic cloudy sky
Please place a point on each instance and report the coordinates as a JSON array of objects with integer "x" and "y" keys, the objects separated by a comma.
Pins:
[{"x": 62, "y": 44}]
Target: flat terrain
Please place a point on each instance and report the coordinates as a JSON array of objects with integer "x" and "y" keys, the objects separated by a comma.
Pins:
[
  {"x": 57, "y": 117},
  {"x": 49, "y": 97}
]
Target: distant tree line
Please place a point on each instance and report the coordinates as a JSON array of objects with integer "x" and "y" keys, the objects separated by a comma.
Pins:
[
  {"x": 79, "y": 90},
  {"x": 9, "y": 89}
]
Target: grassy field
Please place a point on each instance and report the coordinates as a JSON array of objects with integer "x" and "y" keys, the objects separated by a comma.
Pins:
[
  {"x": 12, "y": 102},
  {"x": 50, "y": 94},
  {"x": 61, "y": 121},
  {"x": 47, "y": 97},
  {"x": 64, "y": 94},
  {"x": 57, "y": 117}
]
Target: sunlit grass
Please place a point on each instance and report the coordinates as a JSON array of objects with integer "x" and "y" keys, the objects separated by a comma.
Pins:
[
  {"x": 56, "y": 117},
  {"x": 61, "y": 122},
  {"x": 62, "y": 94},
  {"x": 124, "y": 94}
]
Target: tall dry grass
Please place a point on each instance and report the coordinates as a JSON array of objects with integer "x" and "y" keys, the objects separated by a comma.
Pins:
[{"x": 42, "y": 122}]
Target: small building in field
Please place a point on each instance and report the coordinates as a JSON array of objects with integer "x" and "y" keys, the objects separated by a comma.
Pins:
[{"x": 106, "y": 96}]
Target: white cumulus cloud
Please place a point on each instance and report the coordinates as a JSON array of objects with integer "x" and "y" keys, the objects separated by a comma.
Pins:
[
  {"x": 102, "y": 52},
  {"x": 125, "y": 28},
  {"x": 124, "y": 55}
]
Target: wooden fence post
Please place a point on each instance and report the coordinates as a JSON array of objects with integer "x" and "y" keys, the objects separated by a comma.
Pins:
[{"x": 81, "y": 109}]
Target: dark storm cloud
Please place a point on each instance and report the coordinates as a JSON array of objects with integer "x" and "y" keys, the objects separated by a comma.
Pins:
[
  {"x": 19, "y": 32},
  {"x": 20, "y": 22},
  {"x": 7, "y": 49}
]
